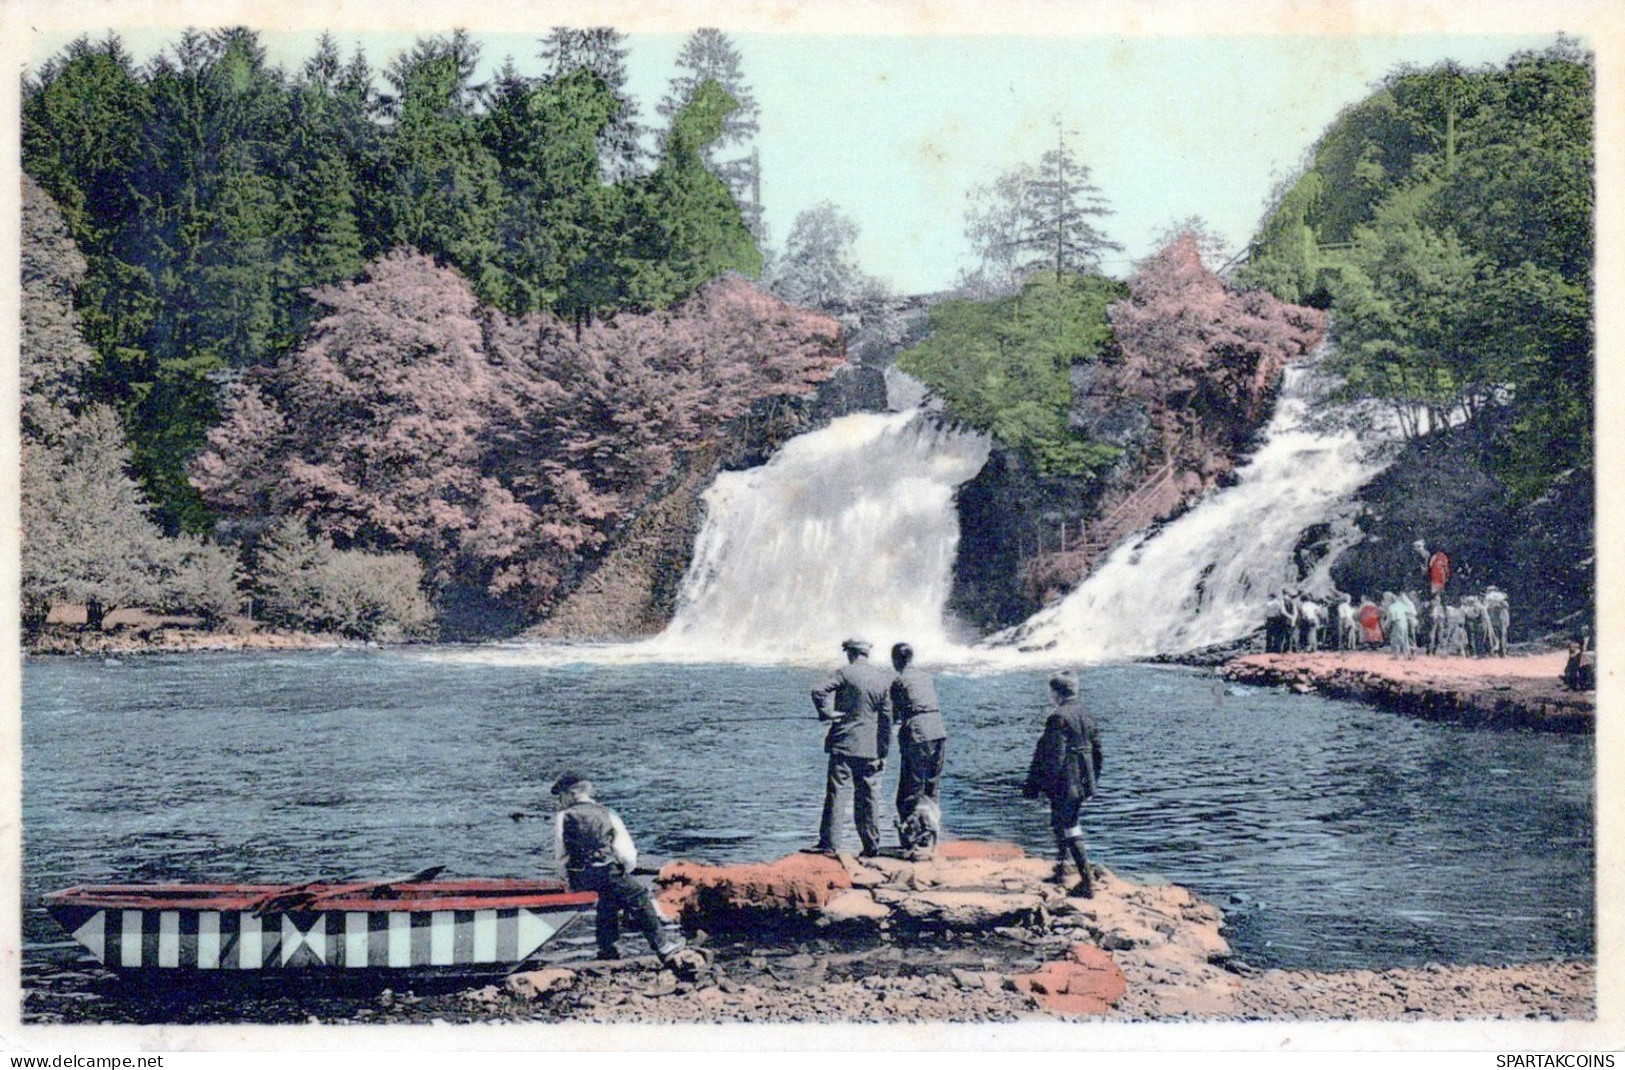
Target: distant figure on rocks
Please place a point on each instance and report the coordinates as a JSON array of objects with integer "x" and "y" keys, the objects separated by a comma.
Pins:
[
  {"x": 1580, "y": 673},
  {"x": 1497, "y": 616},
  {"x": 1370, "y": 619},
  {"x": 856, "y": 701},
  {"x": 1399, "y": 615},
  {"x": 1280, "y": 622},
  {"x": 1348, "y": 625},
  {"x": 1065, "y": 769},
  {"x": 1436, "y": 624},
  {"x": 921, "y": 737},
  {"x": 1437, "y": 571},
  {"x": 1478, "y": 639},
  {"x": 597, "y": 855},
  {"x": 1309, "y": 621},
  {"x": 1456, "y": 643}
]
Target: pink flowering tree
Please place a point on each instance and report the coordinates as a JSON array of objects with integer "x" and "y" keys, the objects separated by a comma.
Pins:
[
  {"x": 503, "y": 453},
  {"x": 371, "y": 429},
  {"x": 1201, "y": 356},
  {"x": 591, "y": 427}
]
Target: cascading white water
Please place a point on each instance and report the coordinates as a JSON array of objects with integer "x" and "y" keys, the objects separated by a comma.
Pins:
[
  {"x": 1204, "y": 577},
  {"x": 852, "y": 530},
  {"x": 849, "y": 530}
]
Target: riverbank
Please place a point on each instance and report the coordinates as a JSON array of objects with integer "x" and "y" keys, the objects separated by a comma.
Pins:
[
  {"x": 978, "y": 934},
  {"x": 129, "y": 632},
  {"x": 1524, "y": 691}
]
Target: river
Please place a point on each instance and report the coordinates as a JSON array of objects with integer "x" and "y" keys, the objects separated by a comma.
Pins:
[{"x": 1332, "y": 835}]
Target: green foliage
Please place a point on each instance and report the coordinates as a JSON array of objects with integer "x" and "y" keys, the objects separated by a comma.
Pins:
[
  {"x": 303, "y": 582},
  {"x": 197, "y": 578},
  {"x": 88, "y": 536},
  {"x": 211, "y": 194},
  {"x": 689, "y": 229},
  {"x": 1448, "y": 221},
  {"x": 1004, "y": 366},
  {"x": 1285, "y": 260},
  {"x": 563, "y": 235}
]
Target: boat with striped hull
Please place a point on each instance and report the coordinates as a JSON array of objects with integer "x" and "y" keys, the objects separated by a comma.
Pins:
[{"x": 368, "y": 926}]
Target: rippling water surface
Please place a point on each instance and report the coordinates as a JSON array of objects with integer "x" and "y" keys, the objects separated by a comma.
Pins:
[{"x": 1332, "y": 835}]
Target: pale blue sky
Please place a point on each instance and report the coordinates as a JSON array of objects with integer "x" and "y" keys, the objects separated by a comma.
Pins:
[{"x": 896, "y": 129}]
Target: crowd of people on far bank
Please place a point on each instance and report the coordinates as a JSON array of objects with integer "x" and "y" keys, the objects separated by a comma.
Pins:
[
  {"x": 863, "y": 704},
  {"x": 1405, "y": 622},
  {"x": 1475, "y": 625}
]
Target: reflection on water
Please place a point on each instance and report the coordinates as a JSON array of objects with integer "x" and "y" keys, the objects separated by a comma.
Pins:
[{"x": 1331, "y": 835}]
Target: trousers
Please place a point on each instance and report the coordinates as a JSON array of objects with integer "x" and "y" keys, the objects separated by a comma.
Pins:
[
  {"x": 863, "y": 774},
  {"x": 1065, "y": 816},
  {"x": 618, "y": 892},
  {"x": 919, "y": 779}
]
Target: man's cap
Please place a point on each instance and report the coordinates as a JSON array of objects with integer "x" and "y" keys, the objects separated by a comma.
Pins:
[
  {"x": 566, "y": 782},
  {"x": 860, "y": 646}
]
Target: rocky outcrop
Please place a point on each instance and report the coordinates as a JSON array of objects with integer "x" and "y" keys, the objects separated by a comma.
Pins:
[
  {"x": 1523, "y": 692},
  {"x": 1087, "y": 982},
  {"x": 784, "y": 896},
  {"x": 841, "y": 940},
  {"x": 974, "y": 890}
]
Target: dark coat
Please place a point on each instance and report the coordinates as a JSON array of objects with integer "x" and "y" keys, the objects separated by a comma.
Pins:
[
  {"x": 856, "y": 700},
  {"x": 1066, "y": 761},
  {"x": 915, "y": 707}
]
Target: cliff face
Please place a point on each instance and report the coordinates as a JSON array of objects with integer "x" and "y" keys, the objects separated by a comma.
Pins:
[
  {"x": 1442, "y": 490},
  {"x": 633, "y": 590},
  {"x": 1026, "y": 539}
]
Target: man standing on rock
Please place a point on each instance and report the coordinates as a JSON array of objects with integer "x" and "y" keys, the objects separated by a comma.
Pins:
[
  {"x": 921, "y": 737},
  {"x": 1065, "y": 769},
  {"x": 856, "y": 701},
  {"x": 597, "y": 855}
]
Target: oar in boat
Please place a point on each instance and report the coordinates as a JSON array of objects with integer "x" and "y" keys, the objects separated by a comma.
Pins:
[{"x": 303, "y": 896}]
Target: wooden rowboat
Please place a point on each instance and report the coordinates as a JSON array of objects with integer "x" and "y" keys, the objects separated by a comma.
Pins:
[{"x": 403, "y": 924}]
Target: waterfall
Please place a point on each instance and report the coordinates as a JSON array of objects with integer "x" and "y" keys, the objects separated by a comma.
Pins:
[
  {"x": 1203, "y": 578},
  {"x": 849, "y": 530}
]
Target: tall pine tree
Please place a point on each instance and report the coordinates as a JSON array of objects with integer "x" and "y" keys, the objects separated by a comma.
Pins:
[
  {"x": 602, "y": 51},
  {"x": 709, "y": 55}
]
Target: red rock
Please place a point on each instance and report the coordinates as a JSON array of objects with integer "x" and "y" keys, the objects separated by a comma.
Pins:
[
  {"x": 1086, "y": 982},
  {"x": 992, "y": 851},
  {"x": 720, "y": 898}
]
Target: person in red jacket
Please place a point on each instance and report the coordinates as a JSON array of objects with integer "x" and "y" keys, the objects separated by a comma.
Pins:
[{"x": 1437, "y": 570}]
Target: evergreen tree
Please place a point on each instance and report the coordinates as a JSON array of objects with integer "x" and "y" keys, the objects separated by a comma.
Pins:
[
  {"x": 709, "y": 55},
  {"x": 82, "y": 117},
  {"x": 444, "y": 194},
  {"x": 1037, "y": 218},
  {"x": 333, "y": 145},
  {"x": 214, "y": 239},
  {"x": 87, "y": 536},
  {"x": 602, "y": 51},
  {"x": 563, "y": 234},
  {"x": 689, "y": 230}
]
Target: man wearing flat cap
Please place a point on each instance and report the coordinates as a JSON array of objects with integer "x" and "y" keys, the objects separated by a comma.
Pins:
[
  {"x": 1065, "y": 769},
  {"x": 597, "y": 855},
  {"x": 856, "y": 701}
]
